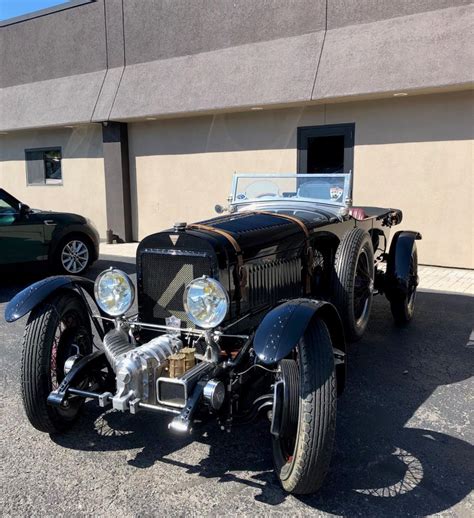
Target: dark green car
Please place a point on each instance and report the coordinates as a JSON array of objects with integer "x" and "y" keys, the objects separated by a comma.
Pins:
[{"x": 68, "y": 243}]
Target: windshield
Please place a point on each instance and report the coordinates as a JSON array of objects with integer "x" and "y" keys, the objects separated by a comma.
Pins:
[{"x": 325, "y": 188}]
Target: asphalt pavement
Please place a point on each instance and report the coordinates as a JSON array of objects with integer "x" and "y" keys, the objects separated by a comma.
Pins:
[{"x": 404, "y": 441}]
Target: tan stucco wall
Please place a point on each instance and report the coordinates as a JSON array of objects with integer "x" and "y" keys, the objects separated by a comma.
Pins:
[
  {"x": 413, "y": 153},
  {"x": 83, "y": 189},
  {"x": 417, "y": 154}
]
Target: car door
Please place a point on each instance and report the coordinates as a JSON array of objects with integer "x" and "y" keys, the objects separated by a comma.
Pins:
[{"x": 21, "y": 233}]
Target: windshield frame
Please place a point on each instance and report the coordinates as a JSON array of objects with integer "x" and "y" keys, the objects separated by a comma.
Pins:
[{"x": 345, "y": 200}]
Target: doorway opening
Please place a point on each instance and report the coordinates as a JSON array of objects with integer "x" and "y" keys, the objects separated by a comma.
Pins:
[{"x": 326, "y": 149}]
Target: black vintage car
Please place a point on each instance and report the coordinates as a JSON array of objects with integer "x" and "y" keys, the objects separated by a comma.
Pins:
[{"x": 243, "y": 315}]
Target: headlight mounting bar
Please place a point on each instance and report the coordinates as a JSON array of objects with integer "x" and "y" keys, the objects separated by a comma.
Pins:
[{"x": 185, "y": 331}]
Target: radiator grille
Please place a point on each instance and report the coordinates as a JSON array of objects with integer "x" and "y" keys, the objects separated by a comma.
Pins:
[
  {"x": 162, "y": 280},
  {"x": 272, "y": 281}
]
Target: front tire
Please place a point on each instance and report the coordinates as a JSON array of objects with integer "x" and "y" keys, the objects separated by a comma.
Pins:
[
  {"x": 302, "y": 460},
  {"x": 55, "y": 330}
]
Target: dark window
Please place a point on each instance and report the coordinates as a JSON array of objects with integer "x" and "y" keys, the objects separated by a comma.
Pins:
[
  {"x": 326, "y": 149},
  {"x": 326, "y": 154},
  {"x": 43, "y": 166}
]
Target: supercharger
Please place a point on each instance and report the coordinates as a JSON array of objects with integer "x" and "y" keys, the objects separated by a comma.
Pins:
[{"x": 137, "y": 368}]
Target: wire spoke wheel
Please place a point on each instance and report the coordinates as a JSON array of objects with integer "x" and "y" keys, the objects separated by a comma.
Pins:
[
  {"x": 70, "y": 338},
  {"x": 413, "y": 282},
  {"x": 289, "y": 375},
  {"x": 57, "y": 329},
  {"x": 363, "y": 287}
]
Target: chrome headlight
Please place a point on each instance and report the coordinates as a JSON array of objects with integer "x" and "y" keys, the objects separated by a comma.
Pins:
[
  {"x": 114, "y": 292},
  {"x": 206, "y": 302}
]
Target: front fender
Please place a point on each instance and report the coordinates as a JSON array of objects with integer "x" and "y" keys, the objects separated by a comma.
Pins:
[
  {"x": 398, "y": 263},
  {"x": 281, "y": 329},
  {"x": 27, "y": 299}
]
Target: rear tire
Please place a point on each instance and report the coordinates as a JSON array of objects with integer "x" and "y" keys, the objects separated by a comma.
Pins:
[
  {"x": 353, "y": 282},
  {"x": 403, "y": 304},
  {"x": 301, "y": 461},
  {"x": 56, "y": 329}
]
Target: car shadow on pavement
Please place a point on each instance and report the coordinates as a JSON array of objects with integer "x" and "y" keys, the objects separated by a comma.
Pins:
[{"x": 400, "y": 450}]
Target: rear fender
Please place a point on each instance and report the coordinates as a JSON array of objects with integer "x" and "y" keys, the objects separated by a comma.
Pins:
[
  {"x": 27, "y": 299},
  {"x": 398, "y": 263},
  {"x": 282, "y": 328}
]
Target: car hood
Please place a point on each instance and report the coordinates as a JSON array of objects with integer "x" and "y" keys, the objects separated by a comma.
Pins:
[
  {"x": 258, "y": 232},
  {"x": 60, "y": 217}
]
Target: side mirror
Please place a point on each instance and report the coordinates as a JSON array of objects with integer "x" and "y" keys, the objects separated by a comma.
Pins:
[
  {"x": 219, "y": 209},
  {"x": 23, "y": 209}
]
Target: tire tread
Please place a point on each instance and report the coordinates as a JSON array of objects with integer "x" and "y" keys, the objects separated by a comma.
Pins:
[
  {"x": 343, "y": 284},
  {"x": 35, "y": 368},
  {"x": 318, "y": 412}
]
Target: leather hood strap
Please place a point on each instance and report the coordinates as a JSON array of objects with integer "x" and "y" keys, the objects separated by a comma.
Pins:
[
  {"x": 223, "y": 233},
  {"x": 233, "y": 241},
  {"x": 238, "y": 251},
  {"x": 240, "y": 270},
  {"x": 294, "y": 219}
]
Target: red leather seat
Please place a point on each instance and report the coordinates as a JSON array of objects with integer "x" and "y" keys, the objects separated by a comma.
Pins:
[{"x": 358, "y": 213}]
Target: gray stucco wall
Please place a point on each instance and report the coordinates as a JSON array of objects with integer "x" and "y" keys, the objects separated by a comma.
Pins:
[
  {"x": 353, "y": 12},
  {"x": 64, "y": 43},
  {"x": 124, "y": 60},
  {"x": 268, "y": 72},
  {"x": 423, "y": 50},
  {"x": 52, "y": 67},
  {"x": 183, "y": 27},
  {"x": 60, "y": 101}
]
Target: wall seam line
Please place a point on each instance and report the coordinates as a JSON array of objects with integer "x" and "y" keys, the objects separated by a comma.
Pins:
[
  {"x": 106, "y": 64},
  {"x": 124, "y": 64},
  {"x": 321, "y": 52}
]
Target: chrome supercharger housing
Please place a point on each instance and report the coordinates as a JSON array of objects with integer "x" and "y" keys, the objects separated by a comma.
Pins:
[{"x": 137, "y": 369}]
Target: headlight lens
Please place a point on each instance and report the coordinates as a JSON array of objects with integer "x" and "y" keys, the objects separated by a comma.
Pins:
[
  {"x": 206, "y": 302},
  {"x": 114, "y": 292}
]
